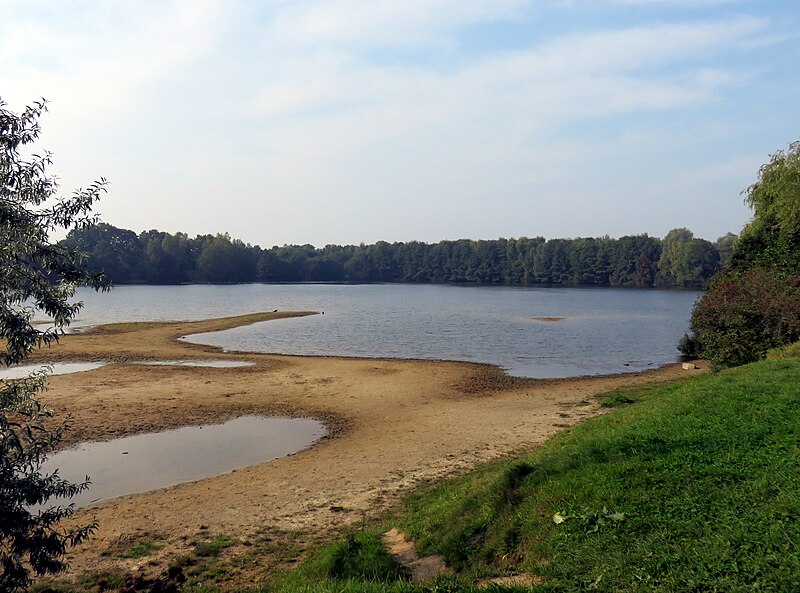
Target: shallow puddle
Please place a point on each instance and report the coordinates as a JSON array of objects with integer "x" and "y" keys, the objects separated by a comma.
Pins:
[
  {"x": 156, "y": 460},
  {"x": 56, "y": 368},
  {"x": 214, "y": 364}
]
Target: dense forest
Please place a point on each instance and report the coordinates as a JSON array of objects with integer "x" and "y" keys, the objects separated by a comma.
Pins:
[{"x": 156, "y": 257}]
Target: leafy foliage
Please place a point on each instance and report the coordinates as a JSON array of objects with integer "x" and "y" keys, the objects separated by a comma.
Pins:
[
  {"x": 775, "y": 197},
  {"x": 161, "y": 258},
  {"x": 772, "y": 238},
  {"x": 755, "y": 303},
  {"x": 686, "y": 261},
  {"x": 725, "y": 245},
  {"x": 741, "y": 317},
  {"x": 35, "y": 274}
]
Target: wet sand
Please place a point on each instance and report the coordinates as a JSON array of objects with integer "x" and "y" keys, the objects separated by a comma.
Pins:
[{"x": 392, "y": 424}]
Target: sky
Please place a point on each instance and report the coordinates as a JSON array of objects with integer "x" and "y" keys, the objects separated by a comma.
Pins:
[{"x": 349, "y": 121}]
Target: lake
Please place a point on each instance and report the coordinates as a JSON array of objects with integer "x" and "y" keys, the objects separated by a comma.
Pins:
[{"x": 599, "y": 331}]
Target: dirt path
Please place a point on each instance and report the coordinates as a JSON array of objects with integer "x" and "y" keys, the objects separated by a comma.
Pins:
[{"x": 392, "y": 424}]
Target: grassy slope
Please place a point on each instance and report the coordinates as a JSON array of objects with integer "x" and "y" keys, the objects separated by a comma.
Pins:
[{"x": 706, "y": 474}]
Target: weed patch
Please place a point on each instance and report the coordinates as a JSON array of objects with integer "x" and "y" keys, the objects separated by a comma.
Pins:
[
  {"x": 143, "y": 549},
  {"x": 361, "y": 556},
  {"x": 214, "y": 546}
]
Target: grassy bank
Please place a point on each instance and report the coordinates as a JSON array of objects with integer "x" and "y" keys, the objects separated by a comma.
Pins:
[{"x": 693, "y": 486}]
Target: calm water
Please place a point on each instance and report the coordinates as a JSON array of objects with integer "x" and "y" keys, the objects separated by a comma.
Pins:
[
  {"x": 56, "y": 368},
  {"x": 604, "y": 330},
  {"x": 157, "y": 460},
  {"x": 210, "y": 364}
]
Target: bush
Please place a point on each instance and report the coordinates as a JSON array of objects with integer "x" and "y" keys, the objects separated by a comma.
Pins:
[
  {"x": 689, "y": 346},
  {"x": 741, "y": 316}
]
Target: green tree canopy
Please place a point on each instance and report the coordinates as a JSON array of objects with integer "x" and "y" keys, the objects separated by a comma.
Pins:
[
  {"x": 35, "y": 275},
  {"x": 686, "y": 261},
  {"x": 772, "y": 238},
  {"x": 158, "y": 257},
  {"x": 725, "y": 245},
  {"x": 754, "y": 305},
  {"x": 775, "y": 197}
]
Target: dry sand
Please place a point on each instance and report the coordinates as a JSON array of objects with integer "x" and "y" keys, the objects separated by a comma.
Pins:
[{"x": 392, "y": 424}]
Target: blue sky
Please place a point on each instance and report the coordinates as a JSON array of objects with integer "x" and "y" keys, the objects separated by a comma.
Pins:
[{"x": 347, "y": 121}]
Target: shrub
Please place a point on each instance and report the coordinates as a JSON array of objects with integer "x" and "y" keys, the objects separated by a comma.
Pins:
[
  {"x": 741, "y": 316},
  {"x": 689, "y": 346}
]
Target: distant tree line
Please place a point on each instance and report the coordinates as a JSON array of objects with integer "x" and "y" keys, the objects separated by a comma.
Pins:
[{"x": 156, "y": 257}]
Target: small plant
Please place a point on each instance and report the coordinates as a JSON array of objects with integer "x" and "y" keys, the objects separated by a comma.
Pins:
[
  {"x": 363, "y": 556},
  {"x": 592, "y": 521},
  {"x": 360, "y": 556},
  {"x": 143, "y": 549},
  {"x": 689, "y": 346},
  {"x": 618, "y": 399},
  {"x": 214, "y": 546}
]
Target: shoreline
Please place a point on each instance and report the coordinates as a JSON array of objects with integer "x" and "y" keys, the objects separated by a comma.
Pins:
[
  {"x": 250, "y": 318},
  {"x": 392, "y": 425}
]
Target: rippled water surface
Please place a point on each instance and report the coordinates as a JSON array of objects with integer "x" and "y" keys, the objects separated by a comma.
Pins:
[{"x": 603, "y": 330}]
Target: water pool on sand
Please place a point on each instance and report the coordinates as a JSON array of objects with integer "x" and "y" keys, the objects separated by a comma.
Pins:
[
  {"x": 150, "y": 461},
  {"x": 211, "y": 364},
  {"x": 56, "y": 368}
]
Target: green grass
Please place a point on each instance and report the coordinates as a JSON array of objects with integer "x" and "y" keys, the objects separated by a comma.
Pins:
[
  {"x": 142, "y": 549},
  {"x": 695, "y": 487},
  {"x": 91, "y": 582},
  {"x": 359, "y": 559},
  {"x": 791, "y": 351},
  {"x": 214, "y": 546}
]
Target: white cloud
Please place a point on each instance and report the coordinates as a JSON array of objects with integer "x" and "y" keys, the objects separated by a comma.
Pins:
[
  {"x": 381, "y": 136},
  {"x": 381, "y": 22},
  {"x": 186, "y": 105},
  {"x": 596, "y": 74},
  {"x": 628, "y": 49},
  {"x": 98, "y": 61}
]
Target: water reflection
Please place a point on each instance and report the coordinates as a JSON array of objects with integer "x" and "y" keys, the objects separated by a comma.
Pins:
[
  {"x": 156, "y": 460},
  {"x": 213, "y": 364},
  {"x": 56, "y": 368}
]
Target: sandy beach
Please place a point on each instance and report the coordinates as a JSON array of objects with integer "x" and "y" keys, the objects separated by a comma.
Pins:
[{"x": 392, "y": 424}]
